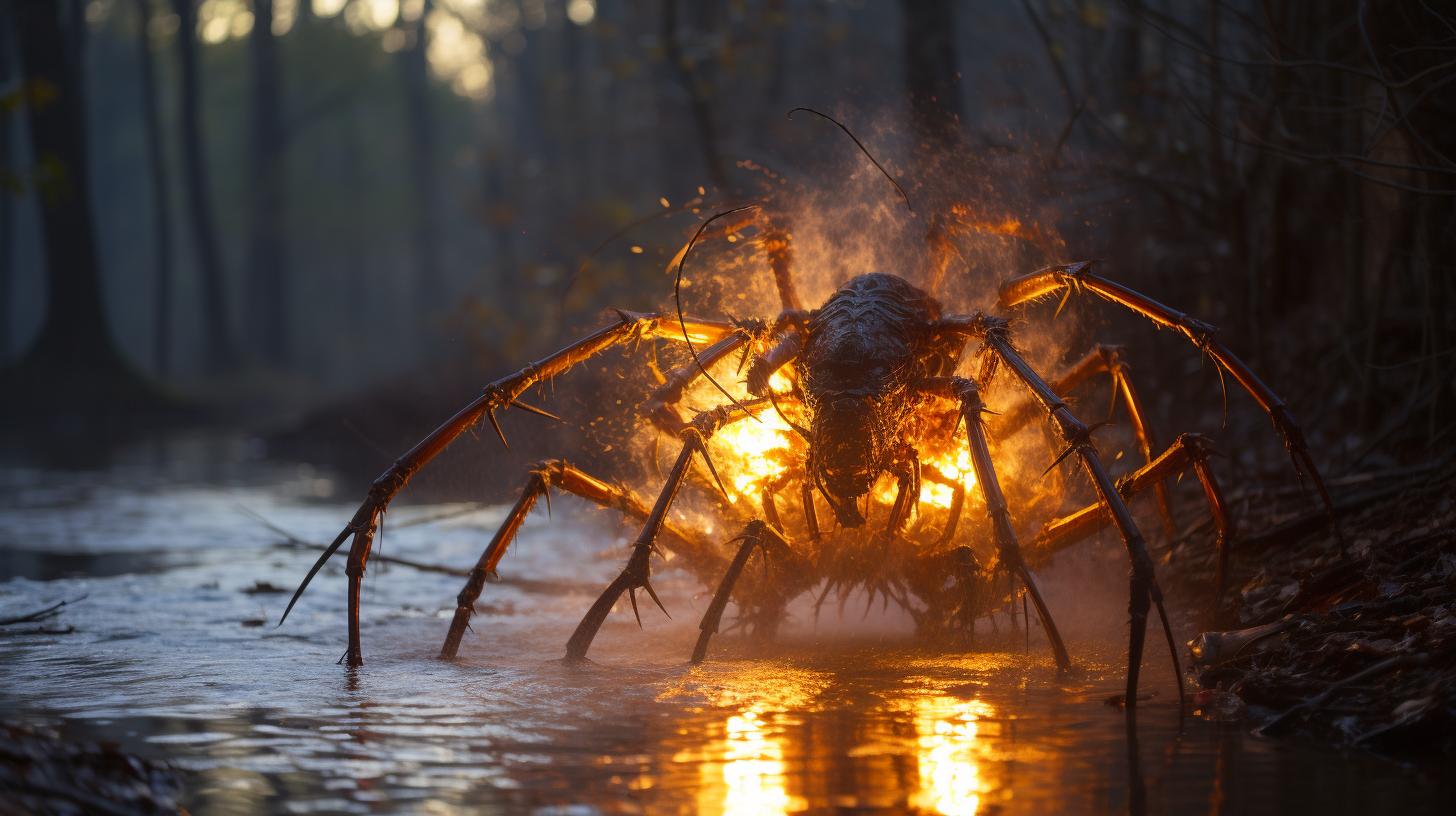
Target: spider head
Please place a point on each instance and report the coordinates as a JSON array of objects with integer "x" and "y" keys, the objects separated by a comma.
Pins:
[{"x": 847, "y": 436}]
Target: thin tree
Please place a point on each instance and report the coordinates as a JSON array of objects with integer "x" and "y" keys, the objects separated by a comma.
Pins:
[
  {"x": 267, "y": 287},
  {"x": 217, "y": 335},
  {"x": 414, "y": 70},
  {"x": 161, "y": 185},
  {"x": 74, "y": 345},
  {"x": 931, "y": 71},
  {"x": 8, "y": 182}
]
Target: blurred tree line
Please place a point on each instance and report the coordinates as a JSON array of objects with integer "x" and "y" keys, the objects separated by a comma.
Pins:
[{"x": 303, "y": 198}]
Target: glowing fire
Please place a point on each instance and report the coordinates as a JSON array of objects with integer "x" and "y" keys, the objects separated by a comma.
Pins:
[
  {"x": 954, "y": 461},
  {"x": 757, "y": 451}
]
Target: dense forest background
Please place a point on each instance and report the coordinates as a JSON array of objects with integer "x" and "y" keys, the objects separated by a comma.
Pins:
[{"x": 260, "y": 209}]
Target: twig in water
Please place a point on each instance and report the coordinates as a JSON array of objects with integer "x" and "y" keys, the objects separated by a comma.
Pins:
[{"x": 41, "y": 614}]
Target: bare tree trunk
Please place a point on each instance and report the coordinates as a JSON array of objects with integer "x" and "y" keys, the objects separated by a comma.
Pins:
[
  {"x": 217, "y": 334},
  {"x": 420, "y": 133},
  {"x": 7, "y": 199},
  {"x": 698, "y": 100},
  {"x": 931, "y": 71},
  {"x": 161, "y": 188},
  {"x": 267, "y": 287},
  {"x": 74, "y": 339}
]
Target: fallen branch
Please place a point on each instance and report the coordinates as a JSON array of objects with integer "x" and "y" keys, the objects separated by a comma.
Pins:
[
  {"x": 41, "y": 631},
  {"x": 291, "y": 541},
  {"x": 40, "y": 614},
  {"x": 1313, "y": 703}
]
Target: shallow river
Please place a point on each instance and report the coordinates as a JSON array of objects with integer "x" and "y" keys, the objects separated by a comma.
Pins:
[{"x": 176, "y": 658}]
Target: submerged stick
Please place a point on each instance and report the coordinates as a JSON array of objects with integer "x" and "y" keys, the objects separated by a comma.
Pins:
[{"x": 40, "y": 614}]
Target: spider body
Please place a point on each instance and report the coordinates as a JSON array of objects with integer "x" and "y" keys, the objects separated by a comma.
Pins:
[
  {"x": 873, "y": 379},
  {"x": 866, "y": 348}
]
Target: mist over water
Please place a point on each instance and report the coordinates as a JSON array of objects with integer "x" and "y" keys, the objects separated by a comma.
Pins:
[{"x": 175, "y": 654}]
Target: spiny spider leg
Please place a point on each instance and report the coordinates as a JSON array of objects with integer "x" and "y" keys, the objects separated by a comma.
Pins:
[
  {"x": 637, "y": 573},
  {"x": 966, "y": 391},
  {"x": 498, "y": 395},
  {"x": 1111, "y": 360},
  {"x": 660, "y": 406},
  {"x": 1143, "y": 585},
  {"x": 542, "y": 477},
  {"x": 907, "y": 496},
  {"x": 755, "y": 534},
  {"x": 1186, "y": 450},
  {"x": 773, "y": 239},
  {"x": 1078, "y": 276},
  {"x": 770, "y": 506}
]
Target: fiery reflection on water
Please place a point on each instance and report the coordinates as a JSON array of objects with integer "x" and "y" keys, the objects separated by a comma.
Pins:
[
  {"x": 753, "y": 768},
  {"x": 922, "y": 750},
  {"x": 948, "y": 755}
]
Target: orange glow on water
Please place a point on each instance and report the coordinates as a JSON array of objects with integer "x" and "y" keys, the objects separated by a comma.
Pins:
[
  {"x": 753, "y": 768},
  {"x": 949, "y": 755}
]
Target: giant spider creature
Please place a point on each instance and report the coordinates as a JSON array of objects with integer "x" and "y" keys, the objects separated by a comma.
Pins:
[{"x": 871, "y": 376}]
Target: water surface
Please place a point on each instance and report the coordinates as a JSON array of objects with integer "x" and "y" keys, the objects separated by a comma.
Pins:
[{"x": 175, "y": 654}]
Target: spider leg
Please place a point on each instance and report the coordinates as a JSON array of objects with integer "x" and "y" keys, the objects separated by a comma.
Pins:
[
  {"x": 907, "y": 496},
  {"x": 773, "y": 239},
  {"x": 1110, "y": 360},
  {"x": 542, "y": 477},
  {"x": 638, "y": 571},
  {"x": 661, "y": 404},
  {"x": 756, "y": 534},
  {"x": 1143, "y": 585},
  {"x": 811, "y": 517},
  {"x": 770, "y": 506},
  {"x": 1079, "y": 276},
  {"x": 498, "y": 395},
  {"x": 1187, "y": 450},
  {"x": 778, "y": 245},
  {"x": 969, "y": 395}
]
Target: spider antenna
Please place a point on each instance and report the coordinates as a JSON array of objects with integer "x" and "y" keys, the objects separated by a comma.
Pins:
[
  {"x": 862, "y": 149},
  {"x": 677, "y": 299}
]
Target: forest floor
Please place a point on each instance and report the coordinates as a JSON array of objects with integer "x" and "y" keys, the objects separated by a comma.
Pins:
[{"x": 1346, "y": 636}]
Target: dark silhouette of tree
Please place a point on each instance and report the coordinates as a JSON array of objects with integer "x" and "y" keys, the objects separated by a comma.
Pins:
[
  {"x": 161, "y": 185},
  {"x": 931, "y": 72},
  {"x": 267, "y": 283},
  {"x": 218, "y": 342},
  {"x": 698, "y": 95},
  {"x": 414, "y": 70},
  {"x": 8, "y": 181},
  {"x": 74, "y": 341}
]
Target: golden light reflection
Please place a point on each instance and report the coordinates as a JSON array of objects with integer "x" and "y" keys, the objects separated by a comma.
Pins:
[
  {"x": 753, "y": 768},
  {"x": 948, "y": 755}
]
